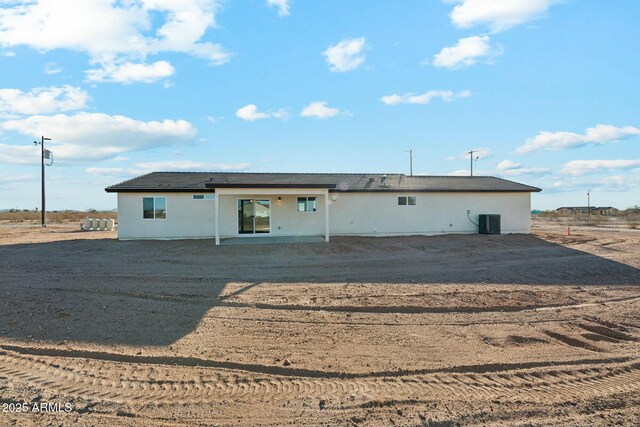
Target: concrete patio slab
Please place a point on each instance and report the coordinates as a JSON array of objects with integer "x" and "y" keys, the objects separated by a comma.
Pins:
[{"x": 270, "y": 240}]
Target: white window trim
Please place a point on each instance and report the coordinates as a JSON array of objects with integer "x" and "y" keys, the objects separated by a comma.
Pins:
[
  {"x": 166, "y": 210},
  {"x": 407, "y": 201},
  {"x": 306, "y": 204},
  {"x": 238, "y": 234},
  {"x": 205, "y": 196}
]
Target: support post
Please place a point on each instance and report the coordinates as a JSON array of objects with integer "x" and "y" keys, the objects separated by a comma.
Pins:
[
  {"x": 217, "y": 219},
  {"x": 326, "y": 216},
  {"x": 44, "y": 224}
]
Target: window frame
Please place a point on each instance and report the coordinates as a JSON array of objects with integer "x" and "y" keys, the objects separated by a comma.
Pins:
[
  {"x": 306, "y": 204},
  {"x": 406, "y": 200},
  {"x": 154, "y": 210},
  {"x": 206, "y": 196}
]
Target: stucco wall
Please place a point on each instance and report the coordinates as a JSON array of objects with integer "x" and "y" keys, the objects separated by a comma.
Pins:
[
  {"x": 285, "y": 218},
  {"x": 186, "y": 218},
  {"x": 434, "y": 213},
  {"x": 350, "y": 214}
]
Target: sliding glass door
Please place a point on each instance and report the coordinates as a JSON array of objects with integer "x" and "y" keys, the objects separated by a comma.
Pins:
[{"x": 254, "y": 216}]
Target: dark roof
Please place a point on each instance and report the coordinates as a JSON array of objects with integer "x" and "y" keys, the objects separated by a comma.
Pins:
[{"x": 354, "y": 182}]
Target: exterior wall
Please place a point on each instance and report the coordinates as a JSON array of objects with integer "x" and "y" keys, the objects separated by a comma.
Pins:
[
  {"x": 186, "y": 218},
  {"x": 434, "y": 213},
  {"x": 374, "y": 214},
  {"x": 285, "y": 218}
]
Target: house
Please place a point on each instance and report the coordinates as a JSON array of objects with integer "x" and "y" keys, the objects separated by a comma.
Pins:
[
  {"x": 183, "y": 205},
  {"x": 583, "y": 210},
  {"x": 572, "y": 210}
]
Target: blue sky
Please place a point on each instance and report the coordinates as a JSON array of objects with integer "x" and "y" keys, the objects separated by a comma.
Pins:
[{"x": 546, "y": 91}]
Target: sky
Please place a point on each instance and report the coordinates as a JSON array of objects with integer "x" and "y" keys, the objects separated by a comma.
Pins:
[{"x": 546, "y": 92}]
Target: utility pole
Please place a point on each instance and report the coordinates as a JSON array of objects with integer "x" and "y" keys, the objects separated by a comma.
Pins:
[
  {"x": 470, "y": 153},
  {"x": 43, "y": 152},
  {"x": 588, "y": 206},
  {"x": 410, "y": 162}
]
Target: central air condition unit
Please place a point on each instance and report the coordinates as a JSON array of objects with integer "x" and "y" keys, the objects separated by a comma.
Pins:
[{"x": 489, "y": 224}]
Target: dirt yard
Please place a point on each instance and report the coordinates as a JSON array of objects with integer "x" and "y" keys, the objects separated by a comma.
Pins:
[{"x": 473, "y": 330}]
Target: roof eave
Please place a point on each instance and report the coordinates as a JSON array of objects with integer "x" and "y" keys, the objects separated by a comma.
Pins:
[
  {"x": 227, "y": 185},
  {"x": 433, "y": 190},
  {"x": 158, "y": 190}
]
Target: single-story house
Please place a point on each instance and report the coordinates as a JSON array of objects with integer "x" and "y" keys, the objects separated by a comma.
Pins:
[
  {"x": 583, "y": 210},
  {"x": 183, "y": 205}
]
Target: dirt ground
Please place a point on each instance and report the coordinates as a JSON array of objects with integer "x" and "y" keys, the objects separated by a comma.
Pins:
[{"x": 472, "y": 330}]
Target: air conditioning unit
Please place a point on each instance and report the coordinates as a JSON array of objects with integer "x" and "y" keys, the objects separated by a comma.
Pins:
[{"x": 489, "y": 224}]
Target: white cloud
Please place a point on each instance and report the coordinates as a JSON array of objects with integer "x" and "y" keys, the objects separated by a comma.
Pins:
[
  {"x": 466, "y": 52},
  {"x": 181, "y": 165},
  {"x": 282, "y": 5},
  {"x": 52, "y": 68},
  {"x": 112, "y": 32},
  {"x": 346, "y": 55},
  {"x": 459, "y": 172},
  {"x": 128, "y": 72},
  {"x": 174, "y": 166},
  {"x": 582, "y": 167},
  {"x": 42, "y": 100},
  {"x": 120, "y": 159},
  {"x": 319, "y": 110},
  {"x": 424, "y": 98},
  {"x": 524, "y": 171},
  {"x": 119, "y": 172},
  {"x": 507, "y": 164},
  {"x": 497, "y": 15},
  {"x": 604, "y": 184},
  {"x": 601, "y": 134},
  {"x": 8, "y": 53},
  {"x": 94, "y": 136},
  {"x": 11, "y": 179},
  {"x": 20, "y": 154},
  {"x": 250, "y": 113},
  {"x": 510, "y": 168}
]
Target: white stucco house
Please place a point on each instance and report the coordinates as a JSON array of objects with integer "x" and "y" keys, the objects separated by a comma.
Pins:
[{"x": 184, "y": 205}]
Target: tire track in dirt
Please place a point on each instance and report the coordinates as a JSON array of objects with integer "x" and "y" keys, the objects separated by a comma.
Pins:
[
  {"x": 404, "y": 309},
  {"x": 99, "y": 380},
  {"x": 153, "y": 362}
]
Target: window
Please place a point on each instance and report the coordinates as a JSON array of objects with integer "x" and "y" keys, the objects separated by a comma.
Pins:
[
  {"x": 407, "y": 200},
  {"x": 307, "y": 204},
  {"x": 154, "y": 207},
  {"x": 203, "y": 196}
]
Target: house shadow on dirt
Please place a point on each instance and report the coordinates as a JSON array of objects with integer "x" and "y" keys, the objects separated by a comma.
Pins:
[{"x": 155, "y": 292}]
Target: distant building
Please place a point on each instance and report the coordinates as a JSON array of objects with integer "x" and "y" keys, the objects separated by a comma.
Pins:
[{"x": 582, "y": 210}]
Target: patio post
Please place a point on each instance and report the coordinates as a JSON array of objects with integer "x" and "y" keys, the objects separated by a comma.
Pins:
[
  {"x": 326, "y": 216},
  {"x": 217, "y": 219}
]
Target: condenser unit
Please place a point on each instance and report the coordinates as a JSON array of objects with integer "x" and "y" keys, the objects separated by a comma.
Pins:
[{"x": 489, "y": 224}]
